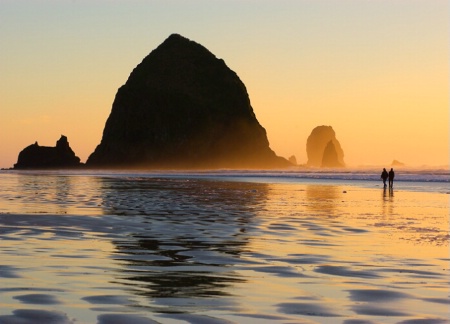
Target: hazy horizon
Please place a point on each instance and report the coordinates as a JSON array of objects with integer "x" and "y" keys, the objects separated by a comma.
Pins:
[{"x": 376, "y": 71}]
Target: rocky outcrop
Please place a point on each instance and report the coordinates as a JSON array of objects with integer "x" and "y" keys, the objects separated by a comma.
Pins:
[
  {"x": 293, "y": 160},
  {"x": 183, "y": 108},
  {"x": 330, "y": 157},
  {"x": 319, "y": 150},
  {"x": 46, "y": 157},
  {"x": 397, "y": 163}
]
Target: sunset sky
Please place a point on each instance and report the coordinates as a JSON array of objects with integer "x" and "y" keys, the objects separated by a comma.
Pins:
[{"x": 377, "y": 71}]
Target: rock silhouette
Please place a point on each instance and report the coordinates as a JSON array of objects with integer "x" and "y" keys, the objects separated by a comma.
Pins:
[
  {"x": 330, "y": 157},
  {"x": 397, "y": 163},
  {"x": 35, "y": 156},
  {"x": 293, "y": 159},
  {"x": 182, "y": 107},
  {"x": 319, "y": 150}
]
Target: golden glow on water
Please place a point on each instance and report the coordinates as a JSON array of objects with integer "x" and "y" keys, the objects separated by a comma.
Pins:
[{"x": 228, "y": 250}]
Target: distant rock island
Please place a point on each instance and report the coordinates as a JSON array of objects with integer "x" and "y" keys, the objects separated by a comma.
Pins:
[
  {"x": 46, "y": 157},
  {"x": 323, "y": 148},
  {"x": 182, "y": 107},
  {"x": 397, "y": 163},
  {"x": 293, "y": 159}
]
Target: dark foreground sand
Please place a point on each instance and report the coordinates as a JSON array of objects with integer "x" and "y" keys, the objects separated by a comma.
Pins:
[{"x": 197, "y": 251}]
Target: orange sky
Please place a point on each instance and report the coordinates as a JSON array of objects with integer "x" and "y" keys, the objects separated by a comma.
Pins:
[{"x": 377, "y": 71}]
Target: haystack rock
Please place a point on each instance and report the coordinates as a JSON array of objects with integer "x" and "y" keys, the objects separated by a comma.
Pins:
[
  {"x": 47, "y": 157},
  {"x": 182, "y": 107},
  {"x": 319, "y": 150}
]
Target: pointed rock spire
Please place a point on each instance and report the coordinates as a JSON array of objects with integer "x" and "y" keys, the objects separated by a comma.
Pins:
[{"x": 182, "y": 107}]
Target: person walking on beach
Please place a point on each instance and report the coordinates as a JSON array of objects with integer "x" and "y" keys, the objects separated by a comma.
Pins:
[
  {"x": 391, "y": 178},
  {"x": 384, "y": 176}
]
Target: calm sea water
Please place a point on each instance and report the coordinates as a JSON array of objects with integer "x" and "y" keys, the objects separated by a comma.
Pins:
[{"x": 224, "y": 247}]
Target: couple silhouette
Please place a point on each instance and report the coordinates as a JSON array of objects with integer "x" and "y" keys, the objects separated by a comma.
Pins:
[{"x": 388, "y": 175}]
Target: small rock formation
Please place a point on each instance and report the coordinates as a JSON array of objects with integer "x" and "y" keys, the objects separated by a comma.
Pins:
[
  {"x": 46, "y": 157},
  {"x": 293, "y": 160},
  {"x": 319, "y": 150},
  {"x": 396, "y": 163},
  {"x": 182, "y": 107},
  {"x": 330, "y": 157}
]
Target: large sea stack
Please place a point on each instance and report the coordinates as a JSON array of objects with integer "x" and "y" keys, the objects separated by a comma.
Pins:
[
  {"x": 35, "y": 156},
  {"x": 330, "y": 157},
  {"x": 322, "y": 153},
  {"x": 183, "y": 108}
]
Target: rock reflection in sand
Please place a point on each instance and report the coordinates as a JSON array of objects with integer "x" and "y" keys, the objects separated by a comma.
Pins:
[
  {"x": 196, "y": 230},
  {"x": 323, "y": 199},
  {"x": 162, "y": 250},
  {"x": 49, "y": 193}
]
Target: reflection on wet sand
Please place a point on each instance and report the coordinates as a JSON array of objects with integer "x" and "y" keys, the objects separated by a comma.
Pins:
[
  {"x": 388, "y": 202},
  {"x": 159, "y": 250},
  {"x": 50, "y": 194},
  {"x": 190, "y": 230},
  {"x": 54, "y": 189},
  {"x": 322, "y": 199}
]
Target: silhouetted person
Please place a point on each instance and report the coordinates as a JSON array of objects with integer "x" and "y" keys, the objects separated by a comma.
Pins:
[
  {"x": 384, "y": 176},
  {"x": 391, "y": 178}
]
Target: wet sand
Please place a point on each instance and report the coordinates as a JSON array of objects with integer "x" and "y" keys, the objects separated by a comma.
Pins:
[{"x": 141, "y": 250}]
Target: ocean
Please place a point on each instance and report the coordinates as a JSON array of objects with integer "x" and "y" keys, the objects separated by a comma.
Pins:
[{"x": 291, "y": 246}]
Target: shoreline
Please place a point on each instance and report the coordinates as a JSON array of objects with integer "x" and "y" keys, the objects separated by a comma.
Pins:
[
  {"x": 411, "y": 180},
  {"x": 166, "y": 249}
]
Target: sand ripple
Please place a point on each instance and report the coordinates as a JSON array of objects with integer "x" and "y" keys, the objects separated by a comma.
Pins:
[{"x": 141, "y": 250}]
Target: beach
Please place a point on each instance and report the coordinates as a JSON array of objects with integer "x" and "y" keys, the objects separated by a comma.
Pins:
[{"x": 225, "y": 247}]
